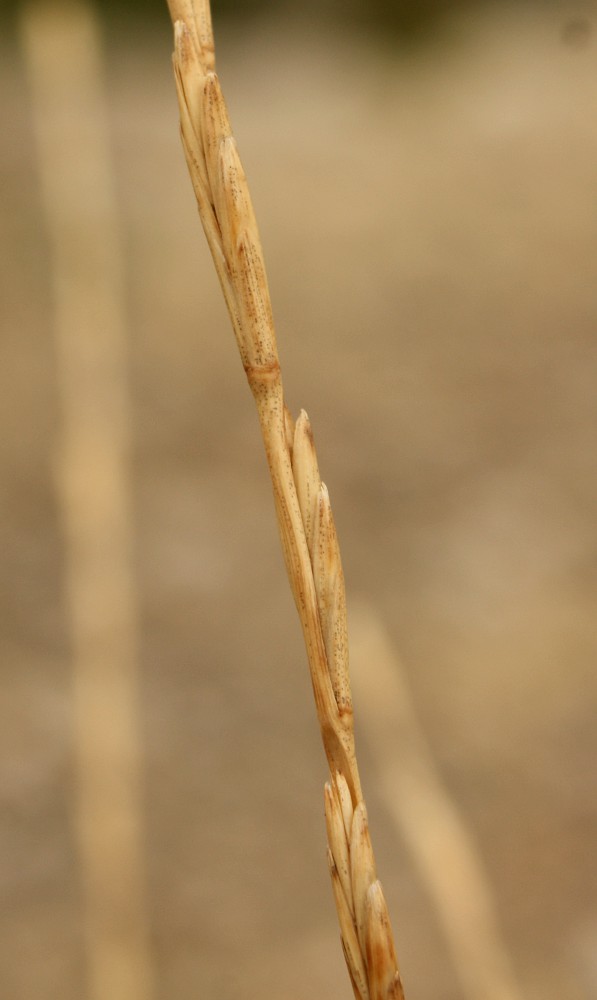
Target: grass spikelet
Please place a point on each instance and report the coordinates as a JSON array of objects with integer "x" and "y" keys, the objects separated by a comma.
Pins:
[{"x": 302, "y": 503}]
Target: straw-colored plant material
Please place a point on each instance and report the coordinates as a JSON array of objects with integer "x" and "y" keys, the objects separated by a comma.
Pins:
[
  {"x": 427, "y": 817},
  {"x": 65, "y": 71},
  {"x": 302, "y": 503}
]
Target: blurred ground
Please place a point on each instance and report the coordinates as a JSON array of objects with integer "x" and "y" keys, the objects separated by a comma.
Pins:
[{"x": 429, "y": 226}]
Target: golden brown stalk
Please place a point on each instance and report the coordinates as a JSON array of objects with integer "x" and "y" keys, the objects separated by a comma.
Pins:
[
  {"x": 302, "y": 502},
  {"x": 62, "y": 47}
]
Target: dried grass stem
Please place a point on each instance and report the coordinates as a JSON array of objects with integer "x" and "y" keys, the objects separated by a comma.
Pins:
[{"x": 302, "y": 501}]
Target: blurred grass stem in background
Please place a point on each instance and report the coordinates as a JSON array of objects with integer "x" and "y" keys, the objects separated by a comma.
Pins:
[
  {"x": 63, "y": 55},
  {"x": 426, "y": 816}
]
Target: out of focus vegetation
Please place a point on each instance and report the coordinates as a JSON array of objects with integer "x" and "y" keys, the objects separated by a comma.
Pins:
[{"x": 404, "y": 20}]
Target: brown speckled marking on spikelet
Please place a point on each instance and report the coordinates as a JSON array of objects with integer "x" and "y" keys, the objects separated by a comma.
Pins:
[{"x": 302, "y": 501}]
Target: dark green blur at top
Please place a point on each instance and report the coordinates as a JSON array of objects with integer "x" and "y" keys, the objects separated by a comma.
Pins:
[{"x": 406, "y": 21}]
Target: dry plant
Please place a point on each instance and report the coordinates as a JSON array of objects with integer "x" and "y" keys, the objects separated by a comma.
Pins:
[
  {"x": 301, "y": 499},
  {"x": 427, "y": 817},
  {"x": 65, "y": 72}
]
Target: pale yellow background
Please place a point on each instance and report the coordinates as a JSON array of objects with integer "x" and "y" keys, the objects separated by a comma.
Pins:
[{"x": 429, "y": 225}]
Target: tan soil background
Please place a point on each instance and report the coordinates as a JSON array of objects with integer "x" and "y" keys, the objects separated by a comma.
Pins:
[{"x": 429, "y": 222}]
